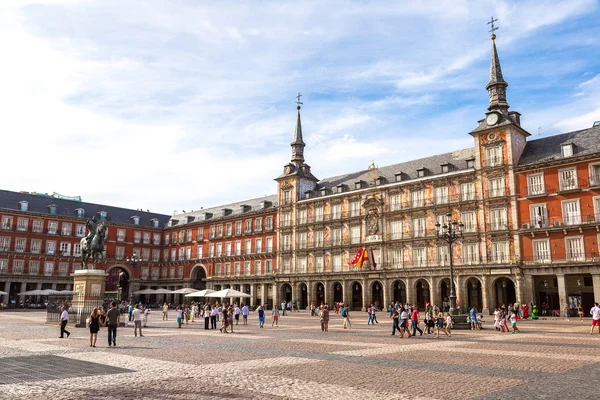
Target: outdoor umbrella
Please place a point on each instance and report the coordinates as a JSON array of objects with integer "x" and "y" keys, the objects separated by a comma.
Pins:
[
  {"x": 145, "y": 291},
  {"x": 186, "y": 290},
  {"x": 162, "y": 291},
  {"x": 201, "y": 293},
  {"x": 2, "y": 293},
  {"x": 36, "y": 292},
  {"x": 227, "y": 293}
]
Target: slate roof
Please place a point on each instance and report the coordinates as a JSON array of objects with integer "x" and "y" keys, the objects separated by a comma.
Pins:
[
  {"x": 253, "y": 205},
  {"x": 586, "y": 141},
  {"x": 457, "y": 160},
  {"x": 67, "y": 208}
]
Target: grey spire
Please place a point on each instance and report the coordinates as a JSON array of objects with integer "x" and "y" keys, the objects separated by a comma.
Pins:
[
  {"x": 496, "y": 86},
  {"x": 298, "y": 144}
]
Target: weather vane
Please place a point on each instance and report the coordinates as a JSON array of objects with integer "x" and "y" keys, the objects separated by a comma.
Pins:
[
  {"x": 298, "y": 100},
  {"x": 494, "y": 28}
]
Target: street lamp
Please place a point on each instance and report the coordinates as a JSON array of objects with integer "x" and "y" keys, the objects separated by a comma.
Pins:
[
  {"x": 133, "y": 260},
  {"x": 450, "y": 232}
]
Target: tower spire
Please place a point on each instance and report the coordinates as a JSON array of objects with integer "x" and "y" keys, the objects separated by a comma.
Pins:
[
  {"x": 298, "y": 144},
  {"x": 496, "y": 87}
]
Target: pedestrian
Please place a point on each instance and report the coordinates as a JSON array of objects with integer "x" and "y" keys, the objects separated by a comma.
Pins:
[
  {"x": 94, "y": 326},
  {"x": 370, "y": 318},
  {"x": 113, "y": 317},
  {"x": 206, "y": 315},
  {"x": 297, "y": 305},
  {"x": 236, "y": 314},
  {"x": 261, "y": 317},
  {"x": 595, "y": 313},
  {"x": 187, "y": 314},
  {"x": 276, "y": 316},
  {"x": 325, "y": 319},
  {"x": 415, "y": 322},
  {"x": 230, "y": 318},
  {"x": 513, "y": 322},
  {"x": 137, "y": 320},
  {"x": 245, "y": 312},
  {"x": 374, "y": 314},
  {"x": 146, "y": 314},
  {"x": 165, "y": 309},
  {"x": 449, "y": 324},
  {"x": 473, "y": 318},
  {"x": 179, "y": 316},
  {"x": 346, "y": 316},
  {"x": 395, "y": 322},
  {"x": 130, "y": 312},
  {"x": 312, "y": 309},
  {"x": 194, "y": 311},
  {"x": 404, "y": 324},
  {"x": 283, "y": 304},
  {"x": 567, "y": 312},
  {"x": 225, "y": 324},
  {"x": 580, "y": 311},
  {"x": 439, "y": 324},
  {"x": 64, "y": 319},
  {"x": 213, "y": 317}
]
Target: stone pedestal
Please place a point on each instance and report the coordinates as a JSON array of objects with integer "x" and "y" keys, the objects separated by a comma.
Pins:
[{"x": 88, "y": 293}]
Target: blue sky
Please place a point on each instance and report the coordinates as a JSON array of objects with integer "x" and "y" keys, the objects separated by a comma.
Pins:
[{"x": 179, "y": 105}]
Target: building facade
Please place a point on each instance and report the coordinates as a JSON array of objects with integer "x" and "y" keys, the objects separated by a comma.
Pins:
[{"x": 529, "y": 208}]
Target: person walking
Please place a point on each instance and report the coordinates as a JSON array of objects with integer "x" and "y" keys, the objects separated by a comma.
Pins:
[
  {"x": 230, "y": 318},
  {"x": 312, "y": 309},
  {"x": 245, "y": 312},
  {"x": 567, "y": 312},
  {"x": 283, "y": 304},
  {"x": 415, "y": 322},
  {"x": 225, "y": 324},
  {"x": 404, "y": 324},
  {"x": 374, "y": 314},
  {"x": 94, "y": 326},
  {"x": 325, "y": 319},
  {"x": 346, "y": 316},
  {"x": 113, "y": 317},
  {"x": 276, "y": 316},
  {"x": 513, "y": 322},
  {"x": 370, "y": 317},
  {"x": 261, "y": 317},
  {"x": 137, "y": 320},
  {"x": 213, "y": 317},
  {"x": 236, "y": 314},
  {"x": 449, "y": 324},
  {"x": 395, "y": 321},
  {"x": 473, "y": 318},
  {"x": 206, "y": 315},
  {"x": 64, "y": 319},
  {"x": 439, "y": 324},
  {"x": 179, "y": 316},
  {"x": 165, "y": 310},
  {"x": 595, "y": 313},
  {"x": 580, "y": 311},
  {"x": 130, "y": 312}
]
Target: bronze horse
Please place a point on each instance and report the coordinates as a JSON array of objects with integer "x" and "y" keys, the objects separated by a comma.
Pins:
[{"x": 96, "y": 249}]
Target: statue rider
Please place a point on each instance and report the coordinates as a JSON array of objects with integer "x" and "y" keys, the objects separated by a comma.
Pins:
[{"x": 91, "y": 225}]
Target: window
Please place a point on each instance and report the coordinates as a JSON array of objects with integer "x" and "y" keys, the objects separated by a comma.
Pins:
[
  {"x": 238, "y": 227},
  {"x": 219, "y": 230},
  {"x": 199, "y": 251},
  {"x": 535, "y": 184},
  {"x": 38, "y": 226},
  {"x": 180, "y": 272},
  {"x": 395, "y": 258},
  {"x": 166, "y": 238},
  {"x": 165, "y": 257},
  {"x": 354, "y": 208},
  {"x": 336, "y": 263},
  {"x": 146, "y": 237},
  {"x": 155, "y": 255},
  {"x": 595, "y": 174},
  {"x": 218, "y": 271},
  {"x": 137, "y": 237},
  {"x": 145, "y": 254},
  {"x": 247, "y": 265},
  {"x": 469, "y": 221},
  {"x": 574, "y": 248},
  {"x": 63, "y": 269},
  {"x": 34, "y": 267},
  {"x": 443, "y": 255},
  {"x": 36, "y": 245},
  {"x": 467, "y": 191},
  {"x": 336, "y": 211},
  {"x": 156, "y": 239},
  {"x": 20, "y": 245},
  {"x": 3, "y": 266},
  {"x": 268, "y": 266},
  {"x": 269, "y": 223},
  {"x": 24, "y": 205},
  {"x": 248, "y": 225},
  {"x": 597, "y": 208},
  {"x": 395, "y": 230},
  {"x": 500, "y": 253},
  {"x": 248, "y": 246},
  {"x": 302, "y": 219},
  {"x": 318, "y": 238},
  {"x": 66, "y": 229},
  {"x": 568, "y": 179},
  {"x": 286, "y": 242},
  {"x": 470, "y": 253},
  {"x": 354, "y": 234},
  {"x": 269, "y": 245},
  {"x": 395, "y": 202},
  {"x": 421, "y": 172},
  {"x": 48, "y": 268},
  {"x": 173, "y": 254},
  {"x": 445, "y": 168},
  {"x": 541, "y": 250},
  {"x": 76, "y": 250},
  {"x": 496, "y": 187},
  {"x": 258, "y": 224},
  {"x": 5, "y": 243},
  {"x": 319, "y": 263},
  {"x": 144, "y": 273},
  {"x": 155, "y": 273},
  {"x": 52, "y": 227},
  {"x": 7, "y": 223},
  {"x": 219, "y": 249},
  {"x": 257, "y": 268},
  {"x": 80, "y": 230},
  {"x": 229, "y": 229},
  {"x": 286, "y": 265},
  {"x": 22, "y": 224},
  {"x": 566, "y": 150},
  {"x": 337, "y": 236},
  {"x": 318, "y": 214},
  {"x": 419, "y": 256},
  {"x": 571, "y": 212},
  {"x": 136, "y": 220},
  {"x": 286, "y": 219},
  {"x": 65, "y": 249},
  {"x": 228, "y": 248},
  {"x": 174, "y": 238},
  {"x": 121, "y": 235},
  {"x": 50, "y": 247},
  {"x": 18, "y": 266},
  {"x": 211, "y": 250},
  {"x": 211, "y": 232},
  {"x": 539, "y": 215},
  {"x": 120, "y": 253},
  {"x": 302, "y": 240},
  {"x": 418, "y": 227},
  {"x": 498, "y": 219},
  {"x": 172, "y": 272},
  {"x": 287, "y": 196},
  {"x": 417, "y": 198},
  {"x": 493, "y": 156},
  {"x": 302, "y": 266},
  {"x": 441, "y": 195}
]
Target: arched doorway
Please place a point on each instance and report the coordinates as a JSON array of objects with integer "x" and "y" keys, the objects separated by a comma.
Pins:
[
  {"x": 286, "y": 292},
  {"x": 505, "y": 292},
  {"x": 319, "y": 294},
  {"x": 377, "y": 298},
  {"x": 338, "y": 292},
  {"x": 117, "y": 284},
  {"x": 357, "y": 299},
  {"x": 399, "y": 292},
  {"x": 303, "y": 295},
  {"x": 474, "y": 294},
  {"x": 422, "y": 294},
  {"x": 198, "y": 277}
]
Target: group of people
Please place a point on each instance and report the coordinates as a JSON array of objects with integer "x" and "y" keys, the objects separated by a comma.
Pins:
[
  {"x": 502, "y": 315},
  {"x": 406, "y": 318}
]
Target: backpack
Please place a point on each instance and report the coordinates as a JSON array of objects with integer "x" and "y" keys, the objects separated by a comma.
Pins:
[{"x": 344, "y": 312}]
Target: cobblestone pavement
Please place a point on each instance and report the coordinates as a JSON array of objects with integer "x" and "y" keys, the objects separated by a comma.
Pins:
[{"x": 548, "y": 360}]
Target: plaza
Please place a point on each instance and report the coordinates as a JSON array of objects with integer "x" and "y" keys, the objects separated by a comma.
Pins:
[{"x": 549, "y": 359}]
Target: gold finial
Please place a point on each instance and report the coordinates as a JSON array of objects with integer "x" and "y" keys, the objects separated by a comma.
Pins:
[
  {"x": 494, "y": 28},
  {"x": 373, "y": 171}
]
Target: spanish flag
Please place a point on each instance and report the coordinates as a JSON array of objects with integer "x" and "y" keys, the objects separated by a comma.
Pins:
[
  {"x": 363, "y": 258},
  {"x": 357, "y": 257}
]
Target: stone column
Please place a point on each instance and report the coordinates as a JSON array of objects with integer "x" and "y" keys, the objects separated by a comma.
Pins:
[
  {"x": 54, "y": 286},
  {"x": 252, "y": 295},
  {"x": 263, "y": 294},
  {"x": 294, "y": 294},
  {"x": 434, "y": 291},
  {"x": 411, "y": 293},
  {"x": 275, "y": 296},
  {"x": 461, "y": 294},
  {"x": 562, "y": 292},
  {"x": 485, "y": 296},
  {"x": 23, "y": 288},
  {"x": 347, "y": 295},
  {"x": 309, "y": 298},
  {"x": 386, "y": 293},
  {"x": 365, "y": 295},
  {"x": 7, "y": 290},
  {"x": 596, "y": 283}
]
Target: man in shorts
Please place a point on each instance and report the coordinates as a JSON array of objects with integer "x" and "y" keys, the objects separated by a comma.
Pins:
[
  {"x": 595, "y": 312},
  {"x": 276, "y": 316},
  {"x": 245, "y": 312}
]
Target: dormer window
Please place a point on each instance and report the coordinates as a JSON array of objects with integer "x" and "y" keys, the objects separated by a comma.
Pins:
[
  {"x": 421, "y": 172},
  {"x": 471, "y": 163},
  {"x": 174, "y": 222},
  {"x": 52, "y": 209},
  {"x": 323, "y": 192},
  {"x": 136, "y": 220},
  {"x": 102, "y": 215},
  {"x": 445, "y": 168},
  {"x": 154, "y": 222},
  {"x": 399, "y": 176},
  {"x": 359, "y": 185},
  {"x": 307, "y": 195},
  {"x": 24, "y": 205},
  {"x": 80, "y": 212},
  {"x": 567, "y": 150},
  {"x": 380, "y": 181}
]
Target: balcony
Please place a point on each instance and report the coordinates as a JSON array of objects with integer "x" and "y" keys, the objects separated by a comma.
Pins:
[
  {"x": 595, "y": 180},
  {"x": 499, "y": 226},
  {"x": 562, "y": 222},
  {"x": 571, "y": 185},
  {"x": 574, "y": 257},
  {"x": 496, "y": 192},
  {"x": 538, "y": 190}
]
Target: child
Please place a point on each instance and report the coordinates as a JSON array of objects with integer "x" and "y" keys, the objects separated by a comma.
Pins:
[
  {"x": 449, "y": 324},
  {"x": 513, "y": 321},
  {"x": 479, "y": 320}
]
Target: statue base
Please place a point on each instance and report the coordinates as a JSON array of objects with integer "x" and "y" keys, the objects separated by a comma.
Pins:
[{"x": 88, "y": 293}]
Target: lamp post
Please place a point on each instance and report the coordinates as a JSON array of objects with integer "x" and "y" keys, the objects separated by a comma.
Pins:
[
  {"x": 450, "y": 232},
  {"x": 133, "y": 262}
]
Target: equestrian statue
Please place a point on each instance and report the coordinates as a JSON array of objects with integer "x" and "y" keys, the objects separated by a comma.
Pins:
[{"x": 92, "y": 246}]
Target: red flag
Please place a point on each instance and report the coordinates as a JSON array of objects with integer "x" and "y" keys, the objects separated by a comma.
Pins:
[
  {"x": 373, "y": 263},
  {"x": 364, "y": 257},
  {"x": 356, "y": 257}
]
